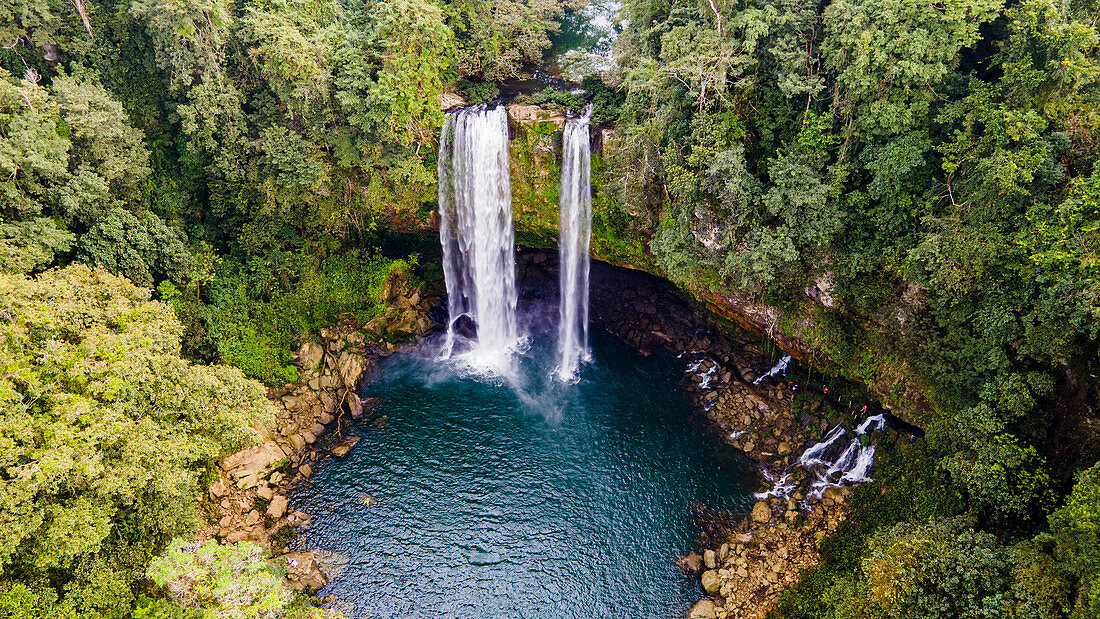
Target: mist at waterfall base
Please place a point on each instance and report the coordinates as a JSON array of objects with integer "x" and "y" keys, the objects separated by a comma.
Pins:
[{"x": 482, "y": 497}]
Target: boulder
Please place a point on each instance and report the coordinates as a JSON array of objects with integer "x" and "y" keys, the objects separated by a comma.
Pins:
[
  {"x": 250, "y": 462},
  {"x": 703, "y": 609},
  {"x": 351, "y": 368},
  {"x": 305, "y": 470},
  {"x": 309, "y": 355},
  {"x": 218, "y": 489},
  {"x": 303, "y": 572},
  {"x": 297, "y": 442},
  {"x": 343, "y": 448},
  {"x": 265, "y": 492},
  {"x": 691, "y": 564},
  {"x": 355, "y": 406},
  {"x": 317, "y": 429},
  {"x": 299, "y": 519},
  {"x": 328, "y": 401},
  {"x": 761, "y": 512},
  {"x": 711, "y": 582},
  {"x": 277, "y": 507},
  {"x": 710, "y": 559},
  {"x": 447, "y": 100}
]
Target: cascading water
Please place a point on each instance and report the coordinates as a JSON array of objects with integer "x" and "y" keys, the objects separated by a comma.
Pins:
[
  {"x": 574, "y": 237},
  {"x": 475, "y": 229}
]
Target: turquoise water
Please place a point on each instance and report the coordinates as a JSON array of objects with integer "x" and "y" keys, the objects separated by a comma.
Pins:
[{"x": 483, "y": 498}]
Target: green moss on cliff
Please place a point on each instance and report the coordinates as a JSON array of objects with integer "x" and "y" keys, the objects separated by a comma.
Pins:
[{"x": 536, "y": 180}]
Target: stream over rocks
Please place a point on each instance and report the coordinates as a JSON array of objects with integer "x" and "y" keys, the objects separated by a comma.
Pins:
[{"x": 475, "y": 496}]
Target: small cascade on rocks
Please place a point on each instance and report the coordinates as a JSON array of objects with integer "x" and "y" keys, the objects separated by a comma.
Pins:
[
  {"x": 475, "y": 229},
  {"x": 575, "y": 234},
  {"x": 831, "y": 462},
  {"x": 779, "y": 369}
]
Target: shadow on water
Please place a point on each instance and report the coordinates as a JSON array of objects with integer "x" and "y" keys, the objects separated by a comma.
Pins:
[{"x": 486, "y": 496}]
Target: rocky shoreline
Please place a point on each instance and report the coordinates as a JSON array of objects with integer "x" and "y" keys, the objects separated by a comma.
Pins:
[{"x": 249, "y": 498}]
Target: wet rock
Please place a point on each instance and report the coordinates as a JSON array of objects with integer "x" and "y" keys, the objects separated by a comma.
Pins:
[
  {"x": 355, "y": 406},
  {"x": 691, "y": 564},
  {"x": 343, "y": 448},
  {"x": 317, "y": 429}
]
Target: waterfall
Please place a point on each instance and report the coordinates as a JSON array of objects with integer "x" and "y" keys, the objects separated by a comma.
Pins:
[
  {"x": 574, "y": 235},
  {"x": 475, "y": 229}
]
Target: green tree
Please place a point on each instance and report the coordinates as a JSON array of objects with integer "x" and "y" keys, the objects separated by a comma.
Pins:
[{"x": 104, "y": 433}]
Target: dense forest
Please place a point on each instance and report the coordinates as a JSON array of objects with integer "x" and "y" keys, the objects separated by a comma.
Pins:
[{"x": 187, "y": 186}]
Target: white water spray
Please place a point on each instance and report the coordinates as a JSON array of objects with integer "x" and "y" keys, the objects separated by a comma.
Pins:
[
  {"x": 475, "y": 229},
  {"x": 779, "y": 369},
  {"x": 574, "y": 237}
]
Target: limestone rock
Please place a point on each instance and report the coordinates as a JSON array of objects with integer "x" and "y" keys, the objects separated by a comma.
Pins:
[
  {"x": 306, "y": 470},
  {"x": 703, "y": 609},
  {"x": 761, "y": 512},
  {"x": 309, "y": 355},
  {"x": 277, "y": 507},
  {"x": 218, "y": 489},
  {"x": 710, "y": 559},
  {"x": 711, "y": 582},
  {"x": 265, "y": 493},
  {"x": 351, "y": 368},
  {"x": 297, "y": 442},
  {"x": 250, "y": 462},
  {"x": 328, "y": 400}
]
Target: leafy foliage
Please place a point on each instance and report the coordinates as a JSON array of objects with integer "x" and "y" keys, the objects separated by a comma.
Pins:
[
  {"x": 104, "y": 433},
  {"x": 231, "y": 580}
]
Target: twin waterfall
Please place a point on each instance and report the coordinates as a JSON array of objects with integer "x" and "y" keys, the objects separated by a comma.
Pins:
[
  {"x": 475, "y": 230},
  {"x": 575, "y": 232}
]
